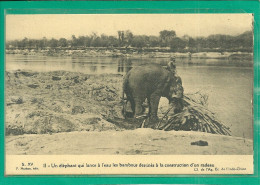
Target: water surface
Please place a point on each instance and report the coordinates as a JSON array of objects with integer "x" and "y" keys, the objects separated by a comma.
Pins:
[{"x": 229, "y": 88}]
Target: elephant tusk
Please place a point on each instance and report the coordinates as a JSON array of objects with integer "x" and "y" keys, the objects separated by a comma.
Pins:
[{"x": 142, "y": 126}]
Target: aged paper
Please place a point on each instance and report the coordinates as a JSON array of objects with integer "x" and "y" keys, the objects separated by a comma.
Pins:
[{"x": 129, "y": 94}]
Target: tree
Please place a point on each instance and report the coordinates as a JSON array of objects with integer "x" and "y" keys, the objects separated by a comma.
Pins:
[
  {"x": 53, "y": 43},
  {"x": 73, "y": 41},
  {"x": 154, "y": 41},
  {"x": 177, "y": 44},
  {"x": 246, "y": 39},
  {"x": 93, "y": 38},
  {"x": 199, "y": 43},
  {"x": 24, "y": 43},
  {"x": 88, "y": 40},
  {"x": 81, "y": 41},
  {"x": 139, "y": 41},
  {"x": 31, "y": 43},
  {"x": 128, "y": 37},
  {"x": 191, "y": 43},
  {"x": 104, "y": 41},
  {"x": 96, "y": 42},
  {"x": 62, "y": 42},
  {"x": 112, "y": 41},
  {"x": 44, "y": 39},
  {"x": 121, "y": 37},
  {"x": 166, "y": 37}
]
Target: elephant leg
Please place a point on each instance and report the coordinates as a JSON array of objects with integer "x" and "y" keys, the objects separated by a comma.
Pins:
[
  {"x": 149, "y": 105},
  {"x": 132, "y": 106},
  {"x": 129, "y": 106},
  {"x": 145, "y": 124},
  {"x": 138, "y": 106},
  {"x": 154, "y": 101}
]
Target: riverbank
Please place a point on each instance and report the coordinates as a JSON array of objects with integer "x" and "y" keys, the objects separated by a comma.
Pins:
[
  {"x": 81, "y": 114},
  {"x": 51, "y": 102},
  {"x": 133, "y": 53},
  {"x": 129, "y": 142}
]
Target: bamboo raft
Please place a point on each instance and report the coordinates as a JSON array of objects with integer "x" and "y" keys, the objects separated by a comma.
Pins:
[{"x": 194, "y": 117}]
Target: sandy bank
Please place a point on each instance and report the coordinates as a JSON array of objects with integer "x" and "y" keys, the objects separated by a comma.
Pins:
[{"x": 129, "y": 142}]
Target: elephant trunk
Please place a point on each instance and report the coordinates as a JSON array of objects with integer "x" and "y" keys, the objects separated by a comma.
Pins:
[{"x": 179, "y": 92}]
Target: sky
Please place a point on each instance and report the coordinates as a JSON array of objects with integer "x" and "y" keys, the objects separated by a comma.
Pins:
[{"x": 65, "y": 25}]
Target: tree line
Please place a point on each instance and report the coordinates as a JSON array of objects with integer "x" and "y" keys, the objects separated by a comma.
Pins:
[{"x": 126, "y": 39}]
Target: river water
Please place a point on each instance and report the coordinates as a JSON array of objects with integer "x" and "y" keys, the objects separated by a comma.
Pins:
[{"x": 228, "y": 87}]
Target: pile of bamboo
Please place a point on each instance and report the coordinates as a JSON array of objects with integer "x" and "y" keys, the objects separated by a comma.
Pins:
[{"x": 195, "y": 116}]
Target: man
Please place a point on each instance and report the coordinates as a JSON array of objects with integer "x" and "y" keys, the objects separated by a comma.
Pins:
[
  {"x": 178, "y": 104},
  {"x": 172, "y": 65}
]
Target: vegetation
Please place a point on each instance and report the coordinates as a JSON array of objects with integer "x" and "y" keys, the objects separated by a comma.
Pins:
[
  {"x": 167, "y": 39},
  {"x": 195, "y": 116}
]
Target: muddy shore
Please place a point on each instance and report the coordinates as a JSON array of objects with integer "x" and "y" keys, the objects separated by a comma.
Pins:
[{"x": 81, "y": 113}]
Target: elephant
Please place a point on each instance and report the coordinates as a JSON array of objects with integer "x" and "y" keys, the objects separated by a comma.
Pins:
[{"x": 151, "y": 82}]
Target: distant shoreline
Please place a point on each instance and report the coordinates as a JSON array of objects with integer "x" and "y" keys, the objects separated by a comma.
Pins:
[
  {"x": 241, "y": 59},
  {"x": 131, "y": 52}
]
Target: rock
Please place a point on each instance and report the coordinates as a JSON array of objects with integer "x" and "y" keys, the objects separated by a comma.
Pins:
[
  {"x": 27, "y": 73},
  {"x": 51, "y": 124},
  {"x": 76, "y": 79},
  {"x": 33, "y": 86},
  {"x": 48, "y": 86},
  {"x": 14, "y": 130},
  {"x": 92, "y": 121},
  {"x": 61, "y": 124},
  {"x": 56, "y": 78},
  {"x": 200, "y": 143},
  {"x": 17, "y": 100},
  {"x": 78, "y": 110},
  {"x": 36, "y": 100}
]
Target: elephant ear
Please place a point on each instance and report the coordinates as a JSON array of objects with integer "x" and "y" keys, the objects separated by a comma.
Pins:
[{"x": 167, "y": 84}]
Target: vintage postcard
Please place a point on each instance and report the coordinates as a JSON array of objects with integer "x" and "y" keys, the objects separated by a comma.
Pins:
[{"x": 129, "y": 94}]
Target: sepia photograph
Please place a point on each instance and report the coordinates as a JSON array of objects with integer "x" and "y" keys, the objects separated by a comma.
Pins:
[{"x": 129, "y": 84}]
